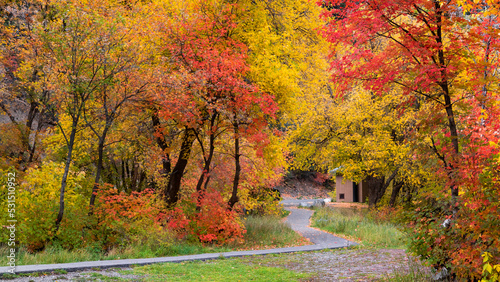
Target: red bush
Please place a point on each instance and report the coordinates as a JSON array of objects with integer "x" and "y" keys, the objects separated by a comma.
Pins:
[{"x": 210, "y": 222}]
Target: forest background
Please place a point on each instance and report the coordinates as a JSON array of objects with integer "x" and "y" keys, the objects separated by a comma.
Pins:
[{"x": 125, "y": 120}]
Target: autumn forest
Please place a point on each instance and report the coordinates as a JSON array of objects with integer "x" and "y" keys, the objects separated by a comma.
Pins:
[{"x": 125, "y": 120}]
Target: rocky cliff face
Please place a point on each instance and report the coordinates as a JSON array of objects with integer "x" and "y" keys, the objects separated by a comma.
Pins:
[{"x": 305, "y": 186}]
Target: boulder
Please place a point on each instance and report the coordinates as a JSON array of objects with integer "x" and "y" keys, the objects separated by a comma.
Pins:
[
  {"x": 441, "y": 275},
  {"x": 315, "y": 203},
  {"x": 318, "y": 203},
  {"x": 305, "y": 205}
]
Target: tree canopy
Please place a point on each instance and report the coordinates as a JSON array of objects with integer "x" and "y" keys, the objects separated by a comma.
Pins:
[{"x": 175, "y": 116}]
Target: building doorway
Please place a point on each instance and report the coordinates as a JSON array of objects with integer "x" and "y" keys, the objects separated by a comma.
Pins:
[{"x": 355, "y": 192}]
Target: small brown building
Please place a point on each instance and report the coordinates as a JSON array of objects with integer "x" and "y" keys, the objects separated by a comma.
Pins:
[{"x": 350, "y": 192}]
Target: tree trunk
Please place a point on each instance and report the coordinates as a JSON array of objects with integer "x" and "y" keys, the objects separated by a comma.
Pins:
[
  {"x": 208, "y": 159},
  {"x": 234, "y": 196},
  {"x": 135, "y": 175},
  {"x": 454, "y": 140},
  {"x": 142, "y": 178},
  {"x": 377, "y": 187},
  {"x": 408, "y": 195},
  {"x": 171, "y": 195},
  {"x": 395, "y": 192},
  {"x": 38, "y": 128},
  {"x": 66, "y": 172},
  {"x": 127, "y": 173},
  {"x": 124, "y": 177},
  {"x": 443, "y": 83},
  {"x": 100, "y": 150},
  {"x": 160, "y": 140}
]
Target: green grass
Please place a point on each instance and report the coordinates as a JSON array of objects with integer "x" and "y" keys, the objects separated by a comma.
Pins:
[
  {"x": 262, "y": 232},
  {"x": 216, "y": 270},
  {"x": 355, "y": 224},
  {"x": 54, "y": 254},
  {"x": 233, "y": 269},
  {"x": 50, "y": 255},
  {"x": 269, "y": 232}
]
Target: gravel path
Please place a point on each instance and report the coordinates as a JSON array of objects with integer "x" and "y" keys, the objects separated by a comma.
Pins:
[{"x": 344, "y": 264}]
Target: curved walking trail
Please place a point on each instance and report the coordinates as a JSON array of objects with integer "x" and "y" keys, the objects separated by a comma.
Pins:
[{"x": 298, "y": 220}]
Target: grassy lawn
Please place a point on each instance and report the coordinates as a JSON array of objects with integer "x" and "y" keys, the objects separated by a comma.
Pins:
[
  {"x": 234, "y": 269},
  {"x": 217, "y": 270},
  {"x": 356, "y": 225},
  {"x": 262, "y": 233}
]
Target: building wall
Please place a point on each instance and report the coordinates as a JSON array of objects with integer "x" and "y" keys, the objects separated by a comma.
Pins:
[{"x": 345, "y": 187}]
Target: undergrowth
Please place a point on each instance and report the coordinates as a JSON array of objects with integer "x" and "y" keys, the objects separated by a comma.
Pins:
[{"x": 263, "y": 232}]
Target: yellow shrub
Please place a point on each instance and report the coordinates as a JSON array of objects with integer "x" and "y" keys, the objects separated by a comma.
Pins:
[{"x": 38, "y": 205}]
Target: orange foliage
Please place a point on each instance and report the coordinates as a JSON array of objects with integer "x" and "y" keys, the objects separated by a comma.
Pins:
[
  {"x": 212, "y": 222},
  {"x": 122, "y": 218}
]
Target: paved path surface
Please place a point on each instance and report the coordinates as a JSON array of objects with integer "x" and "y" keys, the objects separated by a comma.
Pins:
[{"x": 298, "y": 220}]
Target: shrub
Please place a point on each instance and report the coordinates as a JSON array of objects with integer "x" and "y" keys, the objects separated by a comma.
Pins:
[
  {"x": 490, "y": 272},
  {"x": 260, "y": 200},
  {"x": 121, "y": 219},
  {"x": 37, "y": 205},
  {"x": 473, "y": 216},
  {"x": 208, "y": 222},
  {"x": 473, "y": 231}
]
